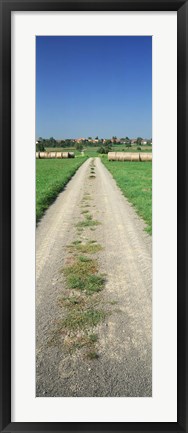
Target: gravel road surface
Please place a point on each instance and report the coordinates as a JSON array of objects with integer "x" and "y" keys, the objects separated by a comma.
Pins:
[{"x": 124, "y": 346}]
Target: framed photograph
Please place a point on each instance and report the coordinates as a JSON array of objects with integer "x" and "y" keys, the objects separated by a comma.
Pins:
[{"x": 93, "y": 215}]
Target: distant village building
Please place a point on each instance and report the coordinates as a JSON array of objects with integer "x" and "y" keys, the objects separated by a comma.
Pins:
[{"x": 78, "y": 140}]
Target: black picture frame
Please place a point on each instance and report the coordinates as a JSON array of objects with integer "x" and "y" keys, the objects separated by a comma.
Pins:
[{"x": 6, "y": 7}]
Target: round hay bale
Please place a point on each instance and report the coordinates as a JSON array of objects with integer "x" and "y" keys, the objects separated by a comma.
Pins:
[
  {"x": 111, "y": 156},
  {"x": 43, "y": 155},
  {"x": 126, "y": 156},
  {"x": 119, "y": 156},
  {"x": 135, "y": 157},
  {"x": 58, "y": 154},
  {"x": 146, "y": 156},
  {"x": 37, "y": 154},
  {"x": 52, "y": 155},
  {"x": 65, "y": 154},
  {"x": 71, "y": 155}
]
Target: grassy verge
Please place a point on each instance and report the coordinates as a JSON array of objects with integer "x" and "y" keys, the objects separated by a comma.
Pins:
[
  {"x": 135, "y": 181},
  {"x": 51, "y": 178}
]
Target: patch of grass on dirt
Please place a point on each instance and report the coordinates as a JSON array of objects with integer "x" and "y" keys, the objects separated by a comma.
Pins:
[
  {"x": 93, "y": 338},
  {"x": 77, "y": 242},
  {"x": 85, "y": 205},
  {"x": 88, "y": 222},
  {"x": 92, "y": 355},
  {"x": 79, "y": 230},
  {"x": 86, "y": 248},
  {"x": 85, "y": 211},
  {"x": 78, "y": 325},
  {"x": 82, "y": 275},
  {"x": 78, "y": 267},
  {"x": 86, "y": 197},
  {"x": 84, "y": 259},
  {"x": 51, "y": 177},
  {"x": 113, "y": 302},
  {"x": 135, "y": 181},
  {"x": 72, "y": 301},
  {"x": 82, "y": 319},
  {"x": 74, "y": 342}
]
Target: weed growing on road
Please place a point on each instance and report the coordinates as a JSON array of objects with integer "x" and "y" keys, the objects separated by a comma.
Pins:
[
  {"x": 84, "y": 259},
  {"x": 77, "y": 242},
  {"x": 83, "y": 319},
  {"x": 86, "y": 248},
  {"x": 86, "y": 197},
  {"x": 93, "y": 338},
  {"x": 88, "y": 222},
  {"x": 85, "y": 205},
  {"x": 85, "y": 211},
  {"x": 92, "y": 355},
  {"x": 82, "y": 275},
  {"x": 75, "y": 329}
]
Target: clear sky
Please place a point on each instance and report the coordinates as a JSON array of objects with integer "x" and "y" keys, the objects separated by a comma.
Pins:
[{"x": 93, "y": 85}]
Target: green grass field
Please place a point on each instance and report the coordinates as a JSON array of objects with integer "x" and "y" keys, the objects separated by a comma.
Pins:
[
  {"x": 51, "y": 177},
  {"x": 135, "y": 181}
]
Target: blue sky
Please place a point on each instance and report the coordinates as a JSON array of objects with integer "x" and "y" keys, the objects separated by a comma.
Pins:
[{"x": 93, "y": 85}]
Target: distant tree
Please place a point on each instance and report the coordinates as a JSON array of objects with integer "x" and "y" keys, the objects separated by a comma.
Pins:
[
  {"x": 89, "y": 138},
  {"x": 108, "y": 142},
  {"x": 104, "y": 149},
  {"x": 52, "y": 142},
  {"x": 96, "y": 138},
  {"x": 39, "y": 147},
  {"x": 79, "y": 146},
  {"x": 68, "y": 142},
  {"x": 138, "y": 140}
]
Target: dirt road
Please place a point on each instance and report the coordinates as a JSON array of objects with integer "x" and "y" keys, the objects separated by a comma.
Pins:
[{"x": 123, "y": 366}]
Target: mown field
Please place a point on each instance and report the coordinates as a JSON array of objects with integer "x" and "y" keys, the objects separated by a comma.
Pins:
[
  {"x": 135, "y": 181},
  {"x": 51, "y": 177}
]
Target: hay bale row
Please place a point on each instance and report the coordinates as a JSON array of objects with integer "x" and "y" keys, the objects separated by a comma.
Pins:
[
  {"x": 50, "y": 155},
  {"x": 145, "y": 156},
  {"x": 127, "y": 156}
]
